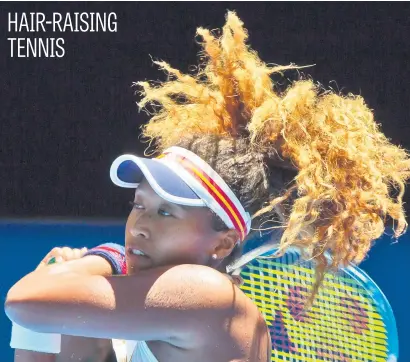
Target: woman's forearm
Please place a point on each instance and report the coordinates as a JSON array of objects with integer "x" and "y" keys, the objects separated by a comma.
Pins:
[
  {"x": 28, "y": 286},
  {"x": 73, "y": 349},
  {"x": 91, "y": 265},
  {"x": 30, "y": 356}
]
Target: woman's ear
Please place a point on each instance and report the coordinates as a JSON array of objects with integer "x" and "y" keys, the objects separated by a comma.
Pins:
[{"x": 227, "y": 242}]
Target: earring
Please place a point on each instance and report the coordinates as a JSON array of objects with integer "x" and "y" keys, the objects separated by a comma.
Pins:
[{"x": 214, "y": 256}]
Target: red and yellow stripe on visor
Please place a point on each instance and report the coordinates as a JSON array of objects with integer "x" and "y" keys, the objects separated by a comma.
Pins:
[{"x": 214, "y": 190}]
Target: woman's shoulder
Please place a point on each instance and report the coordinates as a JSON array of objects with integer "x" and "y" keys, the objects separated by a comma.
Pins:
[
  {"x": 218, "y": 301},
  {"x": 196, "y": 280},
  {"x": 199, "y": 276},
  {"x": 194, "y": 288},
  {"x": 213, "y": 288}
]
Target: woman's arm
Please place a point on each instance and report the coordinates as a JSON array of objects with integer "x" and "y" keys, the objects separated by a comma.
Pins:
[
  {"x": 29, "y": 356},
  {"x": 89, "y": 265},
  {"x": 157, "y": 304},
  {"x": 74, "y": 348}
]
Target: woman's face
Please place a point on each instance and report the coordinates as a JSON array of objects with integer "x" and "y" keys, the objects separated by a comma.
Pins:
[{"x": 167, "y": 233}]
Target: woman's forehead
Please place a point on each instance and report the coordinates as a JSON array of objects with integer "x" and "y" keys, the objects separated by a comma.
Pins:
[{"x": 145, "y": 188}]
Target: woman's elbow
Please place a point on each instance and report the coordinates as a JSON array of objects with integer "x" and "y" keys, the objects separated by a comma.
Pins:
[
  {"x": 13, "y": 311},
  {"x": 17, "y": 306},
  {"x": 13, "y": 306},
  {"x": 17, "y": 294}
]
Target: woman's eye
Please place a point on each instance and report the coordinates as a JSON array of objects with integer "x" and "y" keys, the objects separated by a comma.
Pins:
[
  {"x": 164, "y": 213},
  {"x": 135, "y": 205},
  {"x": 141, "y": 207}
]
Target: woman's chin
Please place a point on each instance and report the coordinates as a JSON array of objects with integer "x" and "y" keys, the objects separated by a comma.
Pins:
[
  {"x": 134, "y": 268},
  {"x": 131, "y": 269}
]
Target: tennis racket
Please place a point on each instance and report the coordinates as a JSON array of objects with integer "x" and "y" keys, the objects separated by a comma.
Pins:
[{"x": 350, "y": 320}]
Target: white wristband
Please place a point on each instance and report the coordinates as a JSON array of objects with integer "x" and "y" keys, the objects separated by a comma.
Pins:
[{"x": 22, "y": 338}]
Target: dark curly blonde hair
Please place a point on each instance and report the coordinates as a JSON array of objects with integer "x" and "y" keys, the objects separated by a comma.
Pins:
[{"x": 309, "y": 159}]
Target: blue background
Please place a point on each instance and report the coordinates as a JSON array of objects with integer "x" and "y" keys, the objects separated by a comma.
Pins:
[{"x": 25, "y": 243}]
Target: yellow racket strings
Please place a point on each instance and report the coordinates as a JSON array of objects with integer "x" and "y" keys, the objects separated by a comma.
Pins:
[{"x": 342, "y": 325}]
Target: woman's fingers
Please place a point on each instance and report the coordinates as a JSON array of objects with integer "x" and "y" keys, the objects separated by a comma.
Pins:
[
  {"x": 61, "y": 254},
  {"x": 81, "y": 252}
]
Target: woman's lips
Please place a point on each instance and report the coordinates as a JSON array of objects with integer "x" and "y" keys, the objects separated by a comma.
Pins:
[{"x": 136, "y": 252}]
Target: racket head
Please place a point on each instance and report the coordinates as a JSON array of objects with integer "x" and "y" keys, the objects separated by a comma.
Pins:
[{"x": 350, "y": 320}]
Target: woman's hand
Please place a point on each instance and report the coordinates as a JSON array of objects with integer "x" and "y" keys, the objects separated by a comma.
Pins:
[{"x": 59, "y": 255}]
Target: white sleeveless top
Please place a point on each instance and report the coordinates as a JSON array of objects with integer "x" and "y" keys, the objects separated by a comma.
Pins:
[{"x": 132, "y": 351}]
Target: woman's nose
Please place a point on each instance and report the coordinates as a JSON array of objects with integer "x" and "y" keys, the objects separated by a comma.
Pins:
[
  {"x": 140, "y": 226},
  {"x": 138, "y": 232}
]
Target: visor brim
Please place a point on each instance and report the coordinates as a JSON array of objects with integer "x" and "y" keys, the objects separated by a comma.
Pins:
[{"x": 128, "y": 171}]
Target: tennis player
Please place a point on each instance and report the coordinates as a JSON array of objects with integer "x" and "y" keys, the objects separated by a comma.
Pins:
[{"x": 231, "y": 155}]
